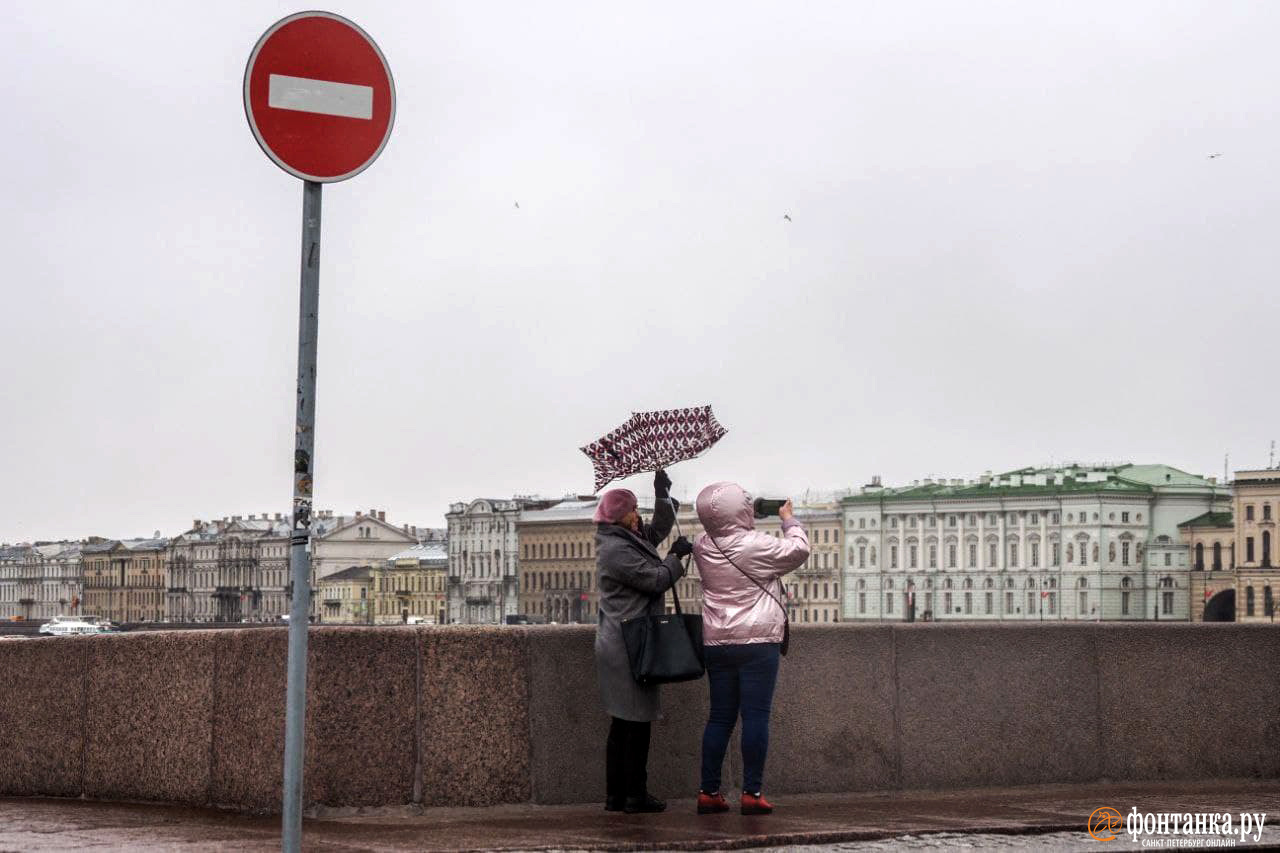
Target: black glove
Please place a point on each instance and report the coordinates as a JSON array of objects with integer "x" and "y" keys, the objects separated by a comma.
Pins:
[
  {"x": 682, "y": 547},
  {"x": 661, "y": 484}
]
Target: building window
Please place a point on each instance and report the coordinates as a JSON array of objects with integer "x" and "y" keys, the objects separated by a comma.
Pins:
[
  {"x": 862, "y": 556},
  {"x": 1248, "y": 601},
  {"x": 973, "y": 556},
  {"x": 1035, "y": 554},
  {"x": 873, "y": 556},
  {"x": 893, "y": 556},
  {"x": 911, "y": 556},
  {"x": 1124, "y": 553},
  {"x": 1167, "y": 602},
  {"x": 1013, "y": 555},
  {"x": 968, "y": 603},
  {"x": 1035, "y": 518},
  {"x": 888, "y": 602},
  {"x": 1248, "y": 513},
  {"x": 988, "y": 597},
  {"x": 933, "y": 556},
  {"x": 862, "y": 602},
  {"x": 1248, "y": 550},
  {"x": 992, "y": 558},
  {"x": 1124, "y": 518},
  {"x": 951, "y": 556},
  {"x": 1008, "y": 602},
  {"x": 946, "y": 602},
  {"x": 1266, "y": 512},
  {"x": 1268, "y": 603}
]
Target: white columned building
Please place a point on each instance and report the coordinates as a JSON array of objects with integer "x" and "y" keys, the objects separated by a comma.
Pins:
[
  {"x": 1076, "y": 542},
  {"x": 483, "y": 580}
]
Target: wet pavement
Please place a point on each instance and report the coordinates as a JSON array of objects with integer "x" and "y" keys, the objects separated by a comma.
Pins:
[{"x": 1041, "y": 817}]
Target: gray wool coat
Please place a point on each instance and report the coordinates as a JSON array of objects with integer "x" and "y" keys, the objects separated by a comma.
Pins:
[{"x": 632, "y": 577}]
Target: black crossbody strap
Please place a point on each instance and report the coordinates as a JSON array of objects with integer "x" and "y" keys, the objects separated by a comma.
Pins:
[{"x": 763, "y": 589}]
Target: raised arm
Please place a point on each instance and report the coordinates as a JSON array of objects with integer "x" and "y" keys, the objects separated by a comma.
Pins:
[
  {"x": 787, "y": 553},
  {"x": 664, "y": 510}
]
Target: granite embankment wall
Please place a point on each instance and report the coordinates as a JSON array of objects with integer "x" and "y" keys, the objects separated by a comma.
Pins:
[{"x": 479, "y": 716}]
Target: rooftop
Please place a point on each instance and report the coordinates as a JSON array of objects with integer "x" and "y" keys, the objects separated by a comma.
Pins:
[
  {"x": 1067, "y": 479},
  {"x": 1209, "y": 519},
  {"x": 432, "y": 551},
  {"x": 353, "y": 573}
]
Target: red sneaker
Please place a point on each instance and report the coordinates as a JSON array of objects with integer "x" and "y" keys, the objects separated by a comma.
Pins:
[
  {"x": 712, "y": 803},
  {"x": 755, "y": 804}
]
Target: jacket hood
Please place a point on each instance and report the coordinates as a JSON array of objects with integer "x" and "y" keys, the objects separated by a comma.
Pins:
[{"x": 725, "y": 508}]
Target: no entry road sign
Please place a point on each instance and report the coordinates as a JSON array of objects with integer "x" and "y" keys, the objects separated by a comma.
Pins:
[
  {"x": 320, "y": 101},
  {"x": 319, "y": 97}
]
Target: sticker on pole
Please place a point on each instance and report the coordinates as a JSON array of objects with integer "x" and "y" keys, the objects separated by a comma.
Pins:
[{"x": 319, "y": 97}]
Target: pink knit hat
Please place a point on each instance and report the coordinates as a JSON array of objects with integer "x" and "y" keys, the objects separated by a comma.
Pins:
[{"x": 614, "y": 504}]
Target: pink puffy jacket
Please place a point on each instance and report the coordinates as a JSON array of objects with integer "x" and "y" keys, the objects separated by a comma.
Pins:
[{"x": 735, "y": 610}]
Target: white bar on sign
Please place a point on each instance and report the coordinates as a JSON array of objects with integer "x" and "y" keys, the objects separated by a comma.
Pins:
[{"x": 319, "y": 96}]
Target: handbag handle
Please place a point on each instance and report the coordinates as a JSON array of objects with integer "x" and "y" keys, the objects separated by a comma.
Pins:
[{"x": 785, "y": 616}]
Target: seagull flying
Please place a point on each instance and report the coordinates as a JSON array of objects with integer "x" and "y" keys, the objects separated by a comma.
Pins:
[
  {"x": 1214, "y": 156},
  {"x": 517, "y": 205},
  {"x": 786, "y": 216}
]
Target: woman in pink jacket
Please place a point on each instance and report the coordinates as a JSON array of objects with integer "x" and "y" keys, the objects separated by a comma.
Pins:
[{"x": 743, "y": 618}]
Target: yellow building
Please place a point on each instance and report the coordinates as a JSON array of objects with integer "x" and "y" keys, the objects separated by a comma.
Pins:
[
  {"x": 410, "y": 586},
  {"x": 1233, "y": 554},
  {"x": 125, "y": 581},
  {"x": 557, "y": 563},
  {"x": 1257, "y": 505},
  {"x": 346, "y": 596}
]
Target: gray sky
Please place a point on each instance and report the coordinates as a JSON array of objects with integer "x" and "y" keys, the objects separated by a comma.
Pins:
[{"x": 1008, "y": 246}]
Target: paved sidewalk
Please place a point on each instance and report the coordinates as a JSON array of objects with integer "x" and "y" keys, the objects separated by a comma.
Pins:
[{"x": 1041, "y": 817}]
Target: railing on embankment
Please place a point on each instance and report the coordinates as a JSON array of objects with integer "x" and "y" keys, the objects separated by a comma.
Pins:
[{"x": 478, "y": 716}]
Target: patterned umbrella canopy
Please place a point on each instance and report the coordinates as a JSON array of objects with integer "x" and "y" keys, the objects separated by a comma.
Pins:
[{"x": 648, "y": 441}]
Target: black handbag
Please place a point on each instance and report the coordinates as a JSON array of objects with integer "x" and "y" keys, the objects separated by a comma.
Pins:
[
  {"x": 664, "y": 648},
  {"x": 786, "y": 618}
]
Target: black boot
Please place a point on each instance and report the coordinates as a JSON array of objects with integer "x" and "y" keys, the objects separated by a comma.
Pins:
[
  {"x": 647, "y": 803},
  {"x": 614, "y": 804}
]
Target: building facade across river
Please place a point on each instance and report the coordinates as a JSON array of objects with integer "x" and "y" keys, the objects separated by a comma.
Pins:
[{"x": 1067, "y": 543}]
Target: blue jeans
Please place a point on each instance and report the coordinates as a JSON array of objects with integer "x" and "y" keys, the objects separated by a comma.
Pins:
[{"x": 742, "y": 677}]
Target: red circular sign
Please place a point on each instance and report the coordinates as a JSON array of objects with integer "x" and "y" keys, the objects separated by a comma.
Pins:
[{"x": 319, "y": 97}]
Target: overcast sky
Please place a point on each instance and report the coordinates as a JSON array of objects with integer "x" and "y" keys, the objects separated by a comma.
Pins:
[{"x": 1008, "y": 246}]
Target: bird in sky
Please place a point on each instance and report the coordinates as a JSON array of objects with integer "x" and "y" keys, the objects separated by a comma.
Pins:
[
  {"x": 786, "y": 216},
  {"x": 517, "y": 205},
  {"x": 1214, "y": 156}
]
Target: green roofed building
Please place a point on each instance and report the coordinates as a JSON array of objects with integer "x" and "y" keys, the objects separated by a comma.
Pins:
[{"x": 1073, "y": 542}]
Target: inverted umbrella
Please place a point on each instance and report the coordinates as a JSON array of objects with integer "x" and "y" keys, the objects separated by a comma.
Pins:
[{"x": 648, "y": 441}]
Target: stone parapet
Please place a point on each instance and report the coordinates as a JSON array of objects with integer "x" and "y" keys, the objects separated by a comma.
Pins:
[{"x": 476, "y": 716}]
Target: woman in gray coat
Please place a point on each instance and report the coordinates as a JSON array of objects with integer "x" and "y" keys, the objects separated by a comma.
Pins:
[{"x": 632, "y": 580}]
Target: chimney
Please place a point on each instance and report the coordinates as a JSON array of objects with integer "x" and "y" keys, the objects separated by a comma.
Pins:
[
  {"x": 359, "y": 514},
  {"x": 196, "y": 523},
  {"x": 253, "y": 517},
  {"x": 985, "y": 479},
  {"x": 278, "y": 517},
  {"x": 382, "y": 515},
  {"x": 373, "y": 513}
]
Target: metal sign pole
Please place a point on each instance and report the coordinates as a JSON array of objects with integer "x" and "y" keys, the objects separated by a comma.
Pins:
[{"x": 300, "y": 542}]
